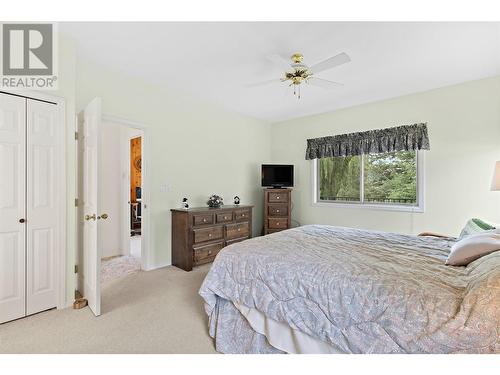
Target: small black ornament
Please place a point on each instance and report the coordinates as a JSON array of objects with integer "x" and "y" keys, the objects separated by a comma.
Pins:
[
  {"x": 236, "y": 200},
  {"x": 184, "y": 203}
]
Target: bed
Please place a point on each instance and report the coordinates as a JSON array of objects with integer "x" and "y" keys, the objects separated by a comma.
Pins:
[{"x": 324, "y": 289}]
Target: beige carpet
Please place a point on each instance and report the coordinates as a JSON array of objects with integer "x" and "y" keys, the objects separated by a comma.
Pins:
[{"x": 148, "y": 312}]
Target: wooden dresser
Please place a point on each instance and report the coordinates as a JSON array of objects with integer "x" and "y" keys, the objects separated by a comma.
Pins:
[
  {"x": 277, "y": 210},
  {"x": 198, "y": 234}
]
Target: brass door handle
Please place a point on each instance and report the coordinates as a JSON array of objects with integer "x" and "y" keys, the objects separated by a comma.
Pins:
[
  {"x": 88, "y": 217},
  {"x": 103, "y": 216}
]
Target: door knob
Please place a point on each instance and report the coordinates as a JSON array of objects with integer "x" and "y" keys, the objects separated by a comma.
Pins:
[
  {"x": 22, "y": 221},
  {"x": 103, "y": 216},
  {"x": 88, "y": 217}
]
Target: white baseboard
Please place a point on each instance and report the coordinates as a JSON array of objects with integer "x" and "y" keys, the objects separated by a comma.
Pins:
[{"x": 158, "y": 266}]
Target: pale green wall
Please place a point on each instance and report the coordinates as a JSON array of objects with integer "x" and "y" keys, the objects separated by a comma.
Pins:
[
  {"x": 197, "y": 149},
  {"x": 464, "y": 129},
  {"x": 67, "y": 90}
]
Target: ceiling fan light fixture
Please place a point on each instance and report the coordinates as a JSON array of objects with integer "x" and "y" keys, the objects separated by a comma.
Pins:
[
  {"x": 297, "y": 57},
  {"x": 299, "y": 66},
  {"x": 297, "y": 72}
]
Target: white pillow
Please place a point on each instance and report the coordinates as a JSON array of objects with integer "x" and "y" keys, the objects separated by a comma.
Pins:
[{"x": 473, "y": 247}]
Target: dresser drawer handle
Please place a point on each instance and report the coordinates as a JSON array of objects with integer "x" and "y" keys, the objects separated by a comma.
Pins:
[
  {"x": 278, "y": 211},
  {"x": 225, "y": 217},
  {"x": 204, "y": 220},
  {"x": 278, "y": 197},
  {"x": 210, "y": 235},
  {"x": 243, "y": 215},
  {"x": 277, "y": 223},
  {"x": 239, "y": 229},
  {"x": 209, "y": 252}
]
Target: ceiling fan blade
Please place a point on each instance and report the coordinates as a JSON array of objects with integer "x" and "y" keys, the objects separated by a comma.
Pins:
[
  {"x": 263, "y": 83},
  {"x": 279, "y": 62},
  {"x": 324, "y": 83},
  {"x": 332, "y": 62}
]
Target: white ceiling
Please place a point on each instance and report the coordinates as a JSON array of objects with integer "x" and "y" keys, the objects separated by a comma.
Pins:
[{"x": 217, "y": 60}]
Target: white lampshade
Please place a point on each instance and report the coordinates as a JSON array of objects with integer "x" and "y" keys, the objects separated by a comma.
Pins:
[{"x": 495, "y": 183}]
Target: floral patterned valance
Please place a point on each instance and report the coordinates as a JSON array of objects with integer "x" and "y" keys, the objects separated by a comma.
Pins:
[{"x": 400, "y": 138}]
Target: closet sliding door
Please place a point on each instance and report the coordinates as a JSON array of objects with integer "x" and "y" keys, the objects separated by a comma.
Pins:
[
  {"x": 12, "y": 207},
  {"x": 41, "y": 206}
]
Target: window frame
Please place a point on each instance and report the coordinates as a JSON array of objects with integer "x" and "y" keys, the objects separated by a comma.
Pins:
[{"x": 419, "y": 207}]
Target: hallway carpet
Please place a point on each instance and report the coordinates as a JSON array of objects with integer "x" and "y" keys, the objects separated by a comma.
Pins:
[
  {"x": 117, "y": 267},
  {"x": 158, "y": 311}
]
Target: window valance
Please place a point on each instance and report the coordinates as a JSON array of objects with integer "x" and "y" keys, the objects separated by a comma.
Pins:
[{"x": 399, "y": 138}]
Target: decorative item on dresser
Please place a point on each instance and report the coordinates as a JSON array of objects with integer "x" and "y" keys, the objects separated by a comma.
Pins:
[
  {"x": 198, "y": 234},
  {"x": 277, "y": 210},
  {"x": 215, "y": 201}
]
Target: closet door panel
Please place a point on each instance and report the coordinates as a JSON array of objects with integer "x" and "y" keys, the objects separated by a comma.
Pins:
[
  {"x": 42, "y": 209},
  {"x": 12, "y": 207}
]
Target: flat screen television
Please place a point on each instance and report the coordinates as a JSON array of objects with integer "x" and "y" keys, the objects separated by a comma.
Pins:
[{"x": 277, "y": 175}]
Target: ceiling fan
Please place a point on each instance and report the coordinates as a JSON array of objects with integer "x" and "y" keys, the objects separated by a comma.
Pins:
[{"x": 297, "y": 73}]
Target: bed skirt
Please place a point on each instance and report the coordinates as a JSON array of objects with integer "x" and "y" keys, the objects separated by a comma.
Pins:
[
  {"x": 233, "y": 334},
  {"x": 238, "y": 329}
]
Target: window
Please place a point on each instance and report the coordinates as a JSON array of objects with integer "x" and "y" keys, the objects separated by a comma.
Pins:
[{"x": 389, "y": 179}]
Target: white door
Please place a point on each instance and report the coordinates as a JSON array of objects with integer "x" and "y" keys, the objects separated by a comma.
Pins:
[
  {"x": 12, "y": 207},
  {"x": 89, "y": 273},
  {"x": 42, "y": 206}
]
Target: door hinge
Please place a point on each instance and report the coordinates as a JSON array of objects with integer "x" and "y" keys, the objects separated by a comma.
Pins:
[
  {"x": 76, "y": 136},
  {"x": 76, "y": 202},
  {"x": 76, "y": 268}
]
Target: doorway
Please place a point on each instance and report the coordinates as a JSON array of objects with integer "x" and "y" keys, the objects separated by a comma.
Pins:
[
  {"x": 104, "y": 214},
  {"x": 121, "y": 199},
  {"x": 135, "y": 195}
]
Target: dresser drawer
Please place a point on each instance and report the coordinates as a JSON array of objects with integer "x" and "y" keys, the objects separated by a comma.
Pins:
[
  {"x": 242, "y": 215},
  {"x": 277, "y": 197},
  {"x": 208, "y": 234},
  {"x": 207, "y": 253},
  {"x": 275, "y": 223},
  {"x": 277, "y": 210},
  {"x": 224, "y": 217},
  {"x": 237, "y": 230},
  {"x": 203, "y": 219}
]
